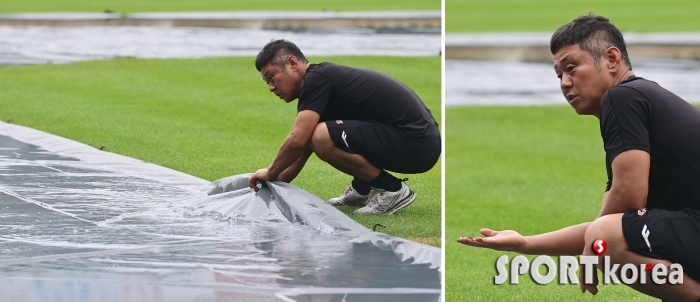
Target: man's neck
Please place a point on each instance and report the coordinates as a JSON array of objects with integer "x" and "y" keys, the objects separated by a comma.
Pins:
[
  {"x": 303, "y": 68},
  {"x": 617, "y": 79}
]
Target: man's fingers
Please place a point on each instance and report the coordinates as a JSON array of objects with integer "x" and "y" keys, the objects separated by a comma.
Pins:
[
  {"x": 475, "y": 242},
  {"x": 464, "y": 239},
  {"x": 593, "y": 288},
  {"x": 595, "y": 277},
  {"x": 468, "y": 241},
  {"x": 253, "y": 183},
  {"x": 581, "y": 279}
]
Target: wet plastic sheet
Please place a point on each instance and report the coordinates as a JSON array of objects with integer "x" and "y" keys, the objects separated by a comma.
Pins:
[{"x": 79, "y": 224}]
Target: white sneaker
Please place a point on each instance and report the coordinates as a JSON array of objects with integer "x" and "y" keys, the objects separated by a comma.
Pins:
[
  {"x": 350, "y": 197},
  {"x": 383, "y": 202}
]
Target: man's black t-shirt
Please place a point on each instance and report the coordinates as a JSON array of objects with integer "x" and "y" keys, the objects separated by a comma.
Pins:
[
  {"x": 639, "y": 114},
  {"x": 344, "y": 93}
]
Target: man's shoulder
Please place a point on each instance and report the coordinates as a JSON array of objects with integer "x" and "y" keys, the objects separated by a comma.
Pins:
[
  {"x": 639, "y": 90},
  {"x": 325, "y": 67},
  {"x": 323, "y": 70},
  {"x": 318, "y": 73},
  {"x": 636, "y": 86},
  {"x": 332, "y": 72},
  {"x": 625, "y": 86},
  {"x": 639, "y": 84},
  {"x": 630, "y": 90}
]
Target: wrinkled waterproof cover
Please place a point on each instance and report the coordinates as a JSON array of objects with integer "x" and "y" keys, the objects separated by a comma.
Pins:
[{"x": 79, "y": 224}]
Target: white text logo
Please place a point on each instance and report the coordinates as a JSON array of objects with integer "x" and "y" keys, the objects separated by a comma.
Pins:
[{"x": 568, "y": 265}]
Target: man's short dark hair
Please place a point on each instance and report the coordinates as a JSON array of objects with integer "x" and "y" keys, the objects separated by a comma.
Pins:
[
  {"x": 592, "y": 33},
  {"x": 277, "y": 52}
]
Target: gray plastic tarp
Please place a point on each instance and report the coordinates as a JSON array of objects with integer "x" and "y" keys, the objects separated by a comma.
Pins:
[{"x": 79, "y": 224}]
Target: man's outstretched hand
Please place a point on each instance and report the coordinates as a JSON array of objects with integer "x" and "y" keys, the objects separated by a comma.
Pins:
[
  {"x": 506, "y": 240},
  {"x": 260, "y": 175}
]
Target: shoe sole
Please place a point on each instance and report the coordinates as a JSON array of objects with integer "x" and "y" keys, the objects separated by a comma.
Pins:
[
  {"x": 399, "y": 205},
  {"x": 360, "y": 203},
  {"x": 403, "y": 203}
]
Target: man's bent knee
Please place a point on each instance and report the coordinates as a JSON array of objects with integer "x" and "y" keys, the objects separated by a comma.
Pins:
[
  {"x": 321, "y": 142},
  {"x": 609, "y": 229}
]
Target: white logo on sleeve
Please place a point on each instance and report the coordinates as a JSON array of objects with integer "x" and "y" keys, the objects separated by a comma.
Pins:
[
  {"x": 344, "y": 136},
  {"x": 645, "y": 234}
]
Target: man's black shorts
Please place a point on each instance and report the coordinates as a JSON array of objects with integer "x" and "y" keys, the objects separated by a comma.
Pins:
[
  {"x": 670, "y": 235},
  {"x": 385, "y": 146}
]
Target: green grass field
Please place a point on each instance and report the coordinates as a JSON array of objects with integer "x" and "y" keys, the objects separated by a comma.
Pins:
[
  {"x": 210, "y": 118},
  {"x": 547, "y": 15},
  {"x": 130, "y": 6},
  {"x": 530, "y": 169}
]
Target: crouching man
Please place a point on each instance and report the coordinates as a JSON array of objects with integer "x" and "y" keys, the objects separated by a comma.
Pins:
[
  {"x": 361, "y": 122},
  {"x": 651, "y": 208}
]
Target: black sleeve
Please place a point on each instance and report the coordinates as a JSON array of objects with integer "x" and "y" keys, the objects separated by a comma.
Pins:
[
  {"x": 315, "y": 92},
  {"x": 624, "y": 123}
]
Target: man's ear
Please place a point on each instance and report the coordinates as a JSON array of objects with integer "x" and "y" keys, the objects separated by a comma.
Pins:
[
  {"x": 293, "y": 63},
  {"x": 612, "y": 58}
]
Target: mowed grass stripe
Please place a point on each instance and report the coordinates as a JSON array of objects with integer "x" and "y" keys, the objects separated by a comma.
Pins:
[
  {"x": 548, "y": 15},
  {"x": 207, "y": 117}
]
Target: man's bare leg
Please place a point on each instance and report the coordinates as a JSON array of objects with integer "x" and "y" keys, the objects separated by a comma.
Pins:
[
  {"x": 392, "y": 194},
  {"x": 353, "y": 164},
  {"x": 609, "y": 228}
]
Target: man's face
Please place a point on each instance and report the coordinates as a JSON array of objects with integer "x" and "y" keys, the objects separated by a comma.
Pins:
[
  {"x": 582, "y": 82},
  {"x": 283, "y": 82}
]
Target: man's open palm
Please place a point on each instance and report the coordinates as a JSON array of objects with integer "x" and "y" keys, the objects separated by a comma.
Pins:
[{"x": 507, "y": 240}]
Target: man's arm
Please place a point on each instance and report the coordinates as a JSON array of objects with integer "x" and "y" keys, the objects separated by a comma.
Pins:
[
  {"x": 293, "y": 148},
  {"x": 628, "y": 192},
  {"x": 296, "y": 143},
  {"x": 567, "y": 241},
  {"x": 630, "y": 184},
  {"x": 290, "y": 173}
]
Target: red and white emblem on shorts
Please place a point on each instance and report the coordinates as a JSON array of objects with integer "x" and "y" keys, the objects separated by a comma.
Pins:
[
  {"x": 339, "y": 122},
  {"x": 641, "y": 212}
]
